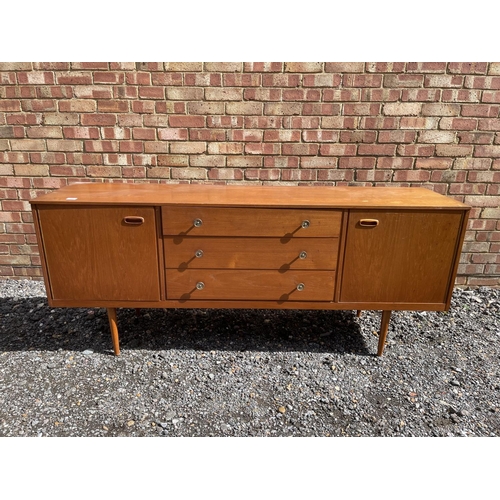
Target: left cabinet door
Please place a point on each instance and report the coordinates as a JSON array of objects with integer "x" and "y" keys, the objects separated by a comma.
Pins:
[{"x": 101, "y": 253}]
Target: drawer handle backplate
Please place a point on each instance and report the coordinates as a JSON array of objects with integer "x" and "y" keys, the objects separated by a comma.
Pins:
[
  {"x": 132, "y": 220},
  {"x": 368, "y": 222}
]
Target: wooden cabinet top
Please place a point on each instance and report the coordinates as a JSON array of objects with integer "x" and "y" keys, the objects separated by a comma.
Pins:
[{"x": 89, "y": 193}]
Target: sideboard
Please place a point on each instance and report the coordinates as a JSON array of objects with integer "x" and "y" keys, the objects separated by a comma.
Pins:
[{"x": 118, "y": 245}]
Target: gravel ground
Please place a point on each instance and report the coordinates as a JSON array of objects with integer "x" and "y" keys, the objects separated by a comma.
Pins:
[{"x": 247, "y": 372}]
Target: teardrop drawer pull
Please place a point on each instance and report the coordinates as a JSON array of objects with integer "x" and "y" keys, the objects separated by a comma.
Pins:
[
  {"x": 197, "y": 222},
  {"x": 200, "y": 285},
  {"x": 368, "y": 222},
  {"x": 132, "y": 220}
]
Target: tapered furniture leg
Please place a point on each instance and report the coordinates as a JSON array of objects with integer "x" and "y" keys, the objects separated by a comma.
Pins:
[
  {"x": 358, "y": 313},
  {"x": 384, "y": 327},
  {"x": 114, "y": 330}
]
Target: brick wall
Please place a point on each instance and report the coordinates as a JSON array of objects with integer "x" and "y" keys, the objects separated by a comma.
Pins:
[{"x": 407, "y": 124}]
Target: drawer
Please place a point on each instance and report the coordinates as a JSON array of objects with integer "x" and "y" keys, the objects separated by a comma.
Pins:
[
  {"x": 214, "y": 284},
  {"x": 192, "y": 252},
  {"x": 281, "y": 222}
]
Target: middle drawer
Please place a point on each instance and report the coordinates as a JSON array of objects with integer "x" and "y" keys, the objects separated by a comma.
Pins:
[{"x": 191, "y": 252}]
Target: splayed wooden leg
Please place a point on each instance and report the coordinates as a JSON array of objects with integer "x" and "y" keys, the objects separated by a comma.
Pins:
[
  {"x": 384, "y": 327},
  {"x": 358, "y": 313},
  {"x": 114, "y": 330}
]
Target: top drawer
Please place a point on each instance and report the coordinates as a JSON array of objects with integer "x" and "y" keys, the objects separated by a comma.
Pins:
[{"x": 280, "y": 222}]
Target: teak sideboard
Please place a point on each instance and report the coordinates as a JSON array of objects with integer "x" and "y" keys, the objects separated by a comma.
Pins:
[{"x": 281, "y": 247}]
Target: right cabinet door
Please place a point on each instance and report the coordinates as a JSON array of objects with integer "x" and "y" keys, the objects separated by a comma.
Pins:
[{"x": 399, "y": 256}]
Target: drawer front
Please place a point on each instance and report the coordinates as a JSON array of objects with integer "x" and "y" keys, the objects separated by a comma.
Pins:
[
  {"x": 210, "y": 221},
  {"x": 217, "y": 284},
  {"x": 250, "y": 253}
]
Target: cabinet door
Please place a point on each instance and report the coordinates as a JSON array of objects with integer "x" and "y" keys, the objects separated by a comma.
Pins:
[
  {"x": 407, "y": 258},
  {"x": 95, "y": 253}
]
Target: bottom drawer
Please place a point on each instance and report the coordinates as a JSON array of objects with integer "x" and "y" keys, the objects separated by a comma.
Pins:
[{"x": 223, "y": 284}]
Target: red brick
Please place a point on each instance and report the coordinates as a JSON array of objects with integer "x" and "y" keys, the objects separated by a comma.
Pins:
[
  {"x": 173, "y": 134},
  {"x": 489, "y": 124},
  {"x": 76, "y": 105},
  {"x": 482, "y": 82},
  {"x": 51, "y": 157},
  {"x": 26, "y": 119},
  {"x": 104, "y": 171},
  {"x": 74, "y": 78},
  {"x": 131, "y": 146},
  {"x": 302, "y": 122},
  {"x": 225, "y": 173},
  {"x": 207, "y": 161},
  {"x": 458, "y": 123},
  {"x": 385, "y": 95},
  {"x": 151, "y": 92},
  {"x": 267, "y": 174},
  {"x": 246, "y": 135},
  {"x": 186, "y": 121},
  {"x": 296, "y": 174},
  {"x": 357, "y": 162},
  {"x": 244, "y": 161},
  {"x": 439, "y": 109},
  {"x": 301, "y": 95},
  {"x": 93, "y": 92},
  {"x": 103, "y": 119},
  {"x": 453, "y": 150},
  {"x": 115, "y": 78},
  {"x": 418, "y": 123},
  {"x": 10, "y": 105},
  {"x": 282, "y": 161},
  {"x": 481, "y": 110},
  {"x": 144, "y": 134},
  {"x": 143, "y": 107},
  {"x": 189, "y": 173},
  {"x": 173, "y": 160},
  {"x": 282, "y": 135},
  {"x": 472, "y": 163},
  {"x": 443, "y": 81},
  {"x": 38, "y": 105},
  {"x": 378, "y": 122},
  {"x": 80, "y": 133},
  {"x": 411, "y": 176},
  {"x": 66, "y": 171},
  {"x": 113, "y": 106},
  {"x": 318, "y": 162}
]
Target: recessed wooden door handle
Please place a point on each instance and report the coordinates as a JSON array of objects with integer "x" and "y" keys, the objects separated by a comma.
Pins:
[
  {"x": 132, "y": 220},
  {"x": 368, "y": 222}
]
